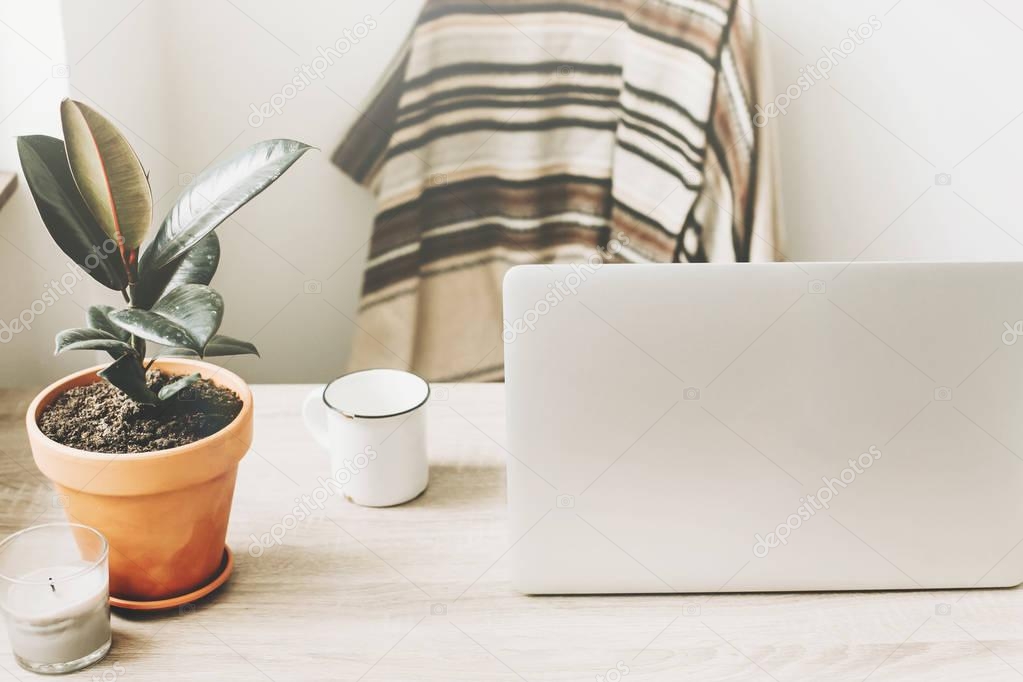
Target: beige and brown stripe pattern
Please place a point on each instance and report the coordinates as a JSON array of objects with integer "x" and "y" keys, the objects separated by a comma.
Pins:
[{"x": 519, "y": 131}]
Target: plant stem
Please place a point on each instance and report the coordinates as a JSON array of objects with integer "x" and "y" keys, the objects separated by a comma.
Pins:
[{"x": 139, "y": 344}]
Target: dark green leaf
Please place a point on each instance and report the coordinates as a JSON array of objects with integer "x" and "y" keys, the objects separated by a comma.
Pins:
[
  {"x": 186, "y": 317},
  {"x": 64, "y": 212},
  {"x": 90, "y": 339},
  {"x": 218, "y": 192},
  {"x": 196, "y": 266},
  {"x": 99, "y": 318},
  {"x": 178, "y": 353},
  {"x": 176, "y": 386},
  {"x": 154, "y": 327},
  {"x": 195, "y": 307},
  {"x": 220, "y": 346},
  {"x": 129, "y": 377}
]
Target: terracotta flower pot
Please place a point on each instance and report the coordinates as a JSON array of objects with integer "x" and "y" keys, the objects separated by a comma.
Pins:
[{"x": 165, "y": 512}]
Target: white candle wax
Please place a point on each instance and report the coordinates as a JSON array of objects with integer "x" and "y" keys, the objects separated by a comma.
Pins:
[{"x": 59, "y": 621}]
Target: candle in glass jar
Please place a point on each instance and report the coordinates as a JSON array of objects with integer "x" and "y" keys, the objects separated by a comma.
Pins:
[
  {"x": 54, "y": 595},
  {"x": 58, "y": 614}
]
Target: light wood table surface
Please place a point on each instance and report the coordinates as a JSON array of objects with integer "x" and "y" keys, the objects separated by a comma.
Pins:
[{"x": 420, "y": 591}]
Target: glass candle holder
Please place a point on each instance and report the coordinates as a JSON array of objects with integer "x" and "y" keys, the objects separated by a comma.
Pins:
[{"x": 54, "y": 592}]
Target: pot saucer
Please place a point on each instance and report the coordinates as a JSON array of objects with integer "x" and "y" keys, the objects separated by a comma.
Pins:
[{"x": 226, "y": 567}]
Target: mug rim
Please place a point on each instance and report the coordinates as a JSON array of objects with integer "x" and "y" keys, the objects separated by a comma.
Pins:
[{"x": 353, "y": 415}]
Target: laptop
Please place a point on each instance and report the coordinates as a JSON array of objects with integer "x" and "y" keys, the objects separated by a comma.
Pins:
[{"x": 764, "y": 427}]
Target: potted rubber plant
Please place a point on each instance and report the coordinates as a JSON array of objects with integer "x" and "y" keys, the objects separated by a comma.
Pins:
[{"x": 145, "y": 448}]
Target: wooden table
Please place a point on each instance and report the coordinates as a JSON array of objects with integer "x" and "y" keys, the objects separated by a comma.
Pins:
[{"x": 420, "y": 592}]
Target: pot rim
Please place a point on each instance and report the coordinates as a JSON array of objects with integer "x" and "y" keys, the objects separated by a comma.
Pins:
[{"x": 57, "y": 388}]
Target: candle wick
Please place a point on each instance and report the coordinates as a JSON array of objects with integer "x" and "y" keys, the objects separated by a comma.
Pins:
[{"x": 52, "y": 588}]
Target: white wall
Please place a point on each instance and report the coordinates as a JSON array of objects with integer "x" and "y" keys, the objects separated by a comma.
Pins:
[
  {"x": 934, "y": 83},
  {"x": 29, "y": 92},
  {"x": 940, "y": 77}
]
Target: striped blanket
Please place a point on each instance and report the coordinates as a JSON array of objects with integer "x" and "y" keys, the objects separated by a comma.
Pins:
[{"x": 520, "y": 131}]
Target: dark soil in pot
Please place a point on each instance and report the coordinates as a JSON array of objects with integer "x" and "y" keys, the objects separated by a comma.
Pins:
[{"x": 99, "y": 418}]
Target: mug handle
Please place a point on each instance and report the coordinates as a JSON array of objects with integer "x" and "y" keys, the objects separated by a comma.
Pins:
[{"x": 314, "y": 414}]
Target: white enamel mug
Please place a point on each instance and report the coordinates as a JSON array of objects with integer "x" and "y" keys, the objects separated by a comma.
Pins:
[{"x": 372, "y": 424}]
